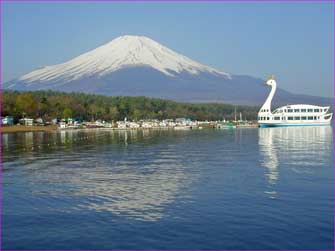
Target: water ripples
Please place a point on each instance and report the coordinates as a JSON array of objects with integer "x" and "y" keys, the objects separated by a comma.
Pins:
[{"x": 229, "y": 189}]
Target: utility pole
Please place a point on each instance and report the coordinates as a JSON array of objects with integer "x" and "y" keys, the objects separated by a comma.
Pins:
[{"x": 235, "y": 112}]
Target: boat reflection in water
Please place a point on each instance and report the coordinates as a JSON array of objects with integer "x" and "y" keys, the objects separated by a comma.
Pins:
[
  {"x": 298, "y": 148},
  {"x": 270, "y": 158}
]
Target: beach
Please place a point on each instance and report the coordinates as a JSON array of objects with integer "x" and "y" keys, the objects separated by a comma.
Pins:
[{"x": 22, "y": 128}]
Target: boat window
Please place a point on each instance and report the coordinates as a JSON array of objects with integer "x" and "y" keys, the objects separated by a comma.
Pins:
[
  {"x": 327, "y": 117},
  {"x": 290, "y": 118},
  {"x": 325, "y": 109},
  {"x": 315, "y": 118},
  {"x": 316, "y": 110},
  {"x": 309, "y": 110},
  {"x": 310, "y": 118},
  {"x": 303, "y": 118},
  {"x": 285, "y": 110},
  {"x": 296, "y": 110},
  {"x": 296, "y": 118},
  {"x": 277, "y": 118},
  {"x": 303, "y": 110},
  {"x": 290, "y": 110}
]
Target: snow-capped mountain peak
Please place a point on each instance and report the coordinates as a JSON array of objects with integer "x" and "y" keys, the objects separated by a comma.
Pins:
[{"x": 124, "y": 51}]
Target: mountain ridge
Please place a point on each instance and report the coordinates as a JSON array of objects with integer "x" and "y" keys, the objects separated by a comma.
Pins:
[{"x": 137, "y": 65}]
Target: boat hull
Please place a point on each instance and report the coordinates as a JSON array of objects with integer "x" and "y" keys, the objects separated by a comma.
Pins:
[{"x": 291, "y": 124}]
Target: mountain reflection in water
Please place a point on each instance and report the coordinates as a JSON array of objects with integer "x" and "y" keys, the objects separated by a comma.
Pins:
[{"x": 120, "y": 180}]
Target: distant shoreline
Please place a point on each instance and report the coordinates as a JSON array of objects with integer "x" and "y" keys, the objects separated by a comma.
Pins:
[
  {"x": 50, "y": 128},
  {"x": 22, "y": 128}
]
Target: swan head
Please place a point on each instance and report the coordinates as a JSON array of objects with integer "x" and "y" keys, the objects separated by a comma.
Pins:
[{"x": 271, "y": 81}]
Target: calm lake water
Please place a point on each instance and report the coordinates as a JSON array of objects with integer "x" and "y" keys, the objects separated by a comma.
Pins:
[{"x": 270, "y": 188}]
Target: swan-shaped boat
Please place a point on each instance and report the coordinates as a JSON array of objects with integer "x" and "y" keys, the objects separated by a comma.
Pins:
[{"x": 291, "y": 115}]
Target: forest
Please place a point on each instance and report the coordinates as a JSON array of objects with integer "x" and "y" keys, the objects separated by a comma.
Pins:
[{"x": 89, "y": 107}]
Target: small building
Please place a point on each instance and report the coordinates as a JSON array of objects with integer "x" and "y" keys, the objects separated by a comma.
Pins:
[
  {"x": 26, "y": 121},
  {"x": 99, "y": 123},
  {"x": 121, "y": 125},
  {"x": 62, "y": 125},
  {"x": 39, "y": 121},
  {"x": 7, "y": 121},
  {"x": 69, "y": 121},
  {"x": 55, "y": 121},
  {"x": 133, "y": 125},
  {"x": 107, "y": 125}
]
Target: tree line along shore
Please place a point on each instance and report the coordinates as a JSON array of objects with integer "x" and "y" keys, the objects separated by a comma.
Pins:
[{"x": 48, "y": 105}]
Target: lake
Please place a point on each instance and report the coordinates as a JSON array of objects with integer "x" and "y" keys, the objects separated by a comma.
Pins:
[{"x": 267, "y": 188}]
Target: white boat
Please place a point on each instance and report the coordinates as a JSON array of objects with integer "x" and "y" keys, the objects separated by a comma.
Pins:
[
  {"x": 182, "y": 127},
  {"x": 291, "y": 115}
]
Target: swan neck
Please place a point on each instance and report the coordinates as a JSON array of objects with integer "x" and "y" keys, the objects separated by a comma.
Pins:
[{"x": 267, "y": 104}]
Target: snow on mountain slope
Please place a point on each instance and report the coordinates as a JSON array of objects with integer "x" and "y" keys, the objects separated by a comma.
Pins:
[
  {"x": 139, "y": 66},
  {"x": 124, "y": 51}
]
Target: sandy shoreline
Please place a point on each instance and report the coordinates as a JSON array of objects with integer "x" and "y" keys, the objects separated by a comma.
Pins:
[{"x": 22, "y": 128}]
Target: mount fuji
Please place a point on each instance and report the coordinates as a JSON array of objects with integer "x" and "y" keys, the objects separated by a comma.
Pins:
[{"x": 139, "y": 66}]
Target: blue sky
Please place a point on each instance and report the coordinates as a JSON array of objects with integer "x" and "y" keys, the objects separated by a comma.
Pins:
[{"x": 293, "y": 41}]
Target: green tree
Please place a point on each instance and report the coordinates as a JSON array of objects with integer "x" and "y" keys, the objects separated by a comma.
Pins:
[
  {"x": 67, "y": 113},
  {"x": 136, "y": 114},
  {"x": 26, "y": 104},
  {"x": 114, "y": 113},
  {"x": 50, "y": 104}
]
